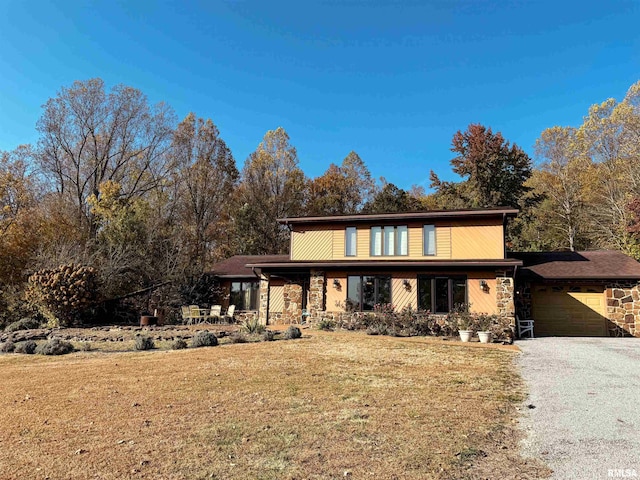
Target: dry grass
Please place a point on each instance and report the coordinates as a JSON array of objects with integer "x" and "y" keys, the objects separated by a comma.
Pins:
[{"x": 317, "y": 407}]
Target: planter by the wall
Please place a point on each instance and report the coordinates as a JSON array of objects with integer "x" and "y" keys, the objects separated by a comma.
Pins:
[
  {"x": 485, "y": 337},
  {"x": 465, "y": 335}
]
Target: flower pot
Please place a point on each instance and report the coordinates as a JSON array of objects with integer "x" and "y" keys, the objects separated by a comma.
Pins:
[
  {"x": 485, "y": 337},
  {"x": 465, "y": 335}
]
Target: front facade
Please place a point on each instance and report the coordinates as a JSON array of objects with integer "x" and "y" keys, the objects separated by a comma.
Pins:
[
  {"x": 427, "y": 261},
  {"x": 432, "y": 261}
]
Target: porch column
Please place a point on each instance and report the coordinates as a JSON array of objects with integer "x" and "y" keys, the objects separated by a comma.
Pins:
[
  {"x": 505, "y": 300},
  {"x": 263, "y": 308},
  {"x": 317, "y": 293}
]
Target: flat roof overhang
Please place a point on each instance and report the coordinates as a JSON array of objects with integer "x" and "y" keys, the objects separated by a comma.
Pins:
[
  {"x": 434, "y": 214},
  {"x": 293, "y": 267}
]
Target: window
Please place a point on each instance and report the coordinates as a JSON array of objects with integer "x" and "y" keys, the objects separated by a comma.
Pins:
[
  {"x": 441, "y": 294},
  {"x": 244, "y": 295},
  {"x": 429, "y": 237},
  {"x": 364, "y": 291},
  {"x": 350, "y": 242},
  {"x": 389, "y": 241}
]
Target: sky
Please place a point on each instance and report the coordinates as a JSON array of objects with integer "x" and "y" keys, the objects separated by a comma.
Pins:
[{"x": 392, "y": 81}]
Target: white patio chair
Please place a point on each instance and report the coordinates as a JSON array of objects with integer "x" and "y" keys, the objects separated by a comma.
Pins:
[
  {"x": 214, "y": 314},
  {"x": 229, "y": 315},
  {"x": 525, "y": 327},
  {"x": 186, "y": 315},
  {"x": 196, "y": 314}
]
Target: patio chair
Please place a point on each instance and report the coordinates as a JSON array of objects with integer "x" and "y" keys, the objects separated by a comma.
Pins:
[
  {"x": 196, "y": 314},
  {"x": 525, "y": 327},
  {"x": 229, "y": 315},
  {"x": 186, "y": 315},
  {"x": 305, "y": 316},
  {"x": 214, "y": 314}
]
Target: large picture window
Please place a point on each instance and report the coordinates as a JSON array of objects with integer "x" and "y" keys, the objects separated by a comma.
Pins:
[
  {"x": 389, "y": 241},
  {"x": 441, "y": 294},
  {"x": 244, "y": 295},
  {"x": 364, "y": 291}
]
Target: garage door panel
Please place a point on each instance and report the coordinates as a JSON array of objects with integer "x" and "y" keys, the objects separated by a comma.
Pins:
[{"x": 569, "y": 311}]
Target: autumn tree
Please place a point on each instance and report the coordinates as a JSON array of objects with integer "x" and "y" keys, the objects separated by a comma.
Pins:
[
  {"x": 341, "y": 189},
  {"x": 89, "y": 136},
  {"x": 272, "y": 186},
  {"x": 494, "y": 171},
  {"x": 19, "y": 218},
  {"x": 391, "y": 199},
  {"x": 207, "y": 176},
  {"x": 560, "y": 179}
]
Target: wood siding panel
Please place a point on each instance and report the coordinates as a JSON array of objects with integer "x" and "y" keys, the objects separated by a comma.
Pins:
[
  {"x": 276, "y": 297},
  {"x": 482, "y": 301},
  {"x": 477, "y": 242},
  {"x": 400, "y": 296},
  {"x": 454, "y": 240},
  {"x": 312, "y": 244}
]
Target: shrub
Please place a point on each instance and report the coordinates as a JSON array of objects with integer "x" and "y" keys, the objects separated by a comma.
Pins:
[
  {"x": 268, "y": 336},
  {"x": 86, "y": 346},
  {"x": 28, "y": 347},
  {"x": 23, "y": 324},
  {"x": 238, "y": 337},
  {"x": 7, "y": 347},
  {"x": 326, "y": 324},
  {"x": 179, "y": 344},
  {"x": 204, "y": 338},
  {"x": 144, "y": 342},
  {"x": 55, "y": 346},
  {"x": 62, "y": 294},
  {"x": 253, "y": 325},
  {"x": 292, "y": 332}
]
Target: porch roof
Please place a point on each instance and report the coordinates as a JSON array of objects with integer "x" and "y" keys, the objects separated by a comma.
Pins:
[
  {"x": 239, "y": 266},
  {"x": 384, "y": 264}
]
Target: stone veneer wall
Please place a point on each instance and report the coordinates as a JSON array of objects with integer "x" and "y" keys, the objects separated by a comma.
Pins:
[
  {"x": 623, "y": 306},
  {"x": 505, "y": 299},
  {"x": 292, "y": 311},
  {"x": 263, "y": 307},
  {"x": 317, "y": 293}
]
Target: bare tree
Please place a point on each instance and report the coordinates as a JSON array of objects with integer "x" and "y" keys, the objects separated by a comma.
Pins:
[{"x": 89, "y": 136}]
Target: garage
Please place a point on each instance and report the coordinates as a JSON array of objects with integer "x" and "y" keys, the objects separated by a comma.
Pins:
[
  {"x": 569, "y": 311},
  {"x": 586, "y": 294}
]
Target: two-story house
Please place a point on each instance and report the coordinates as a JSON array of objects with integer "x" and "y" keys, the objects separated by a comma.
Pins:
[
  {"x": 429, "y": 261},
  {"x": 433, "y": 261}
]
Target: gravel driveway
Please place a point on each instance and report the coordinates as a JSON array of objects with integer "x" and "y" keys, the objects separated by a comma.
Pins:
[{"x": 582, "y": 417}]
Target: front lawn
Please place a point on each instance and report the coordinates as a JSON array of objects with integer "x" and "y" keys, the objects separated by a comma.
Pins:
[{"x": 329, "y": 405}]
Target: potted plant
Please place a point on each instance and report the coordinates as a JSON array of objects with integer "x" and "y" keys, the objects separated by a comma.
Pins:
[
  {"x": 462, "y": 321},
  {"x": 483, "y": 324}
]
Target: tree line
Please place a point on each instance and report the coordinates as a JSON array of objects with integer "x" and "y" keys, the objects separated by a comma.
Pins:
[{"x": 120, "y": 185}]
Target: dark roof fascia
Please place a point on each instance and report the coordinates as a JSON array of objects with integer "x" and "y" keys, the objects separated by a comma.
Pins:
[
  {"x": 434, "y": 214},
  {"x": 389, "y": 264}
]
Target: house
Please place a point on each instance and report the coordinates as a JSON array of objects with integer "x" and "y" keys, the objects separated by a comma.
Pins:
[{"x": 432, "y": 261}]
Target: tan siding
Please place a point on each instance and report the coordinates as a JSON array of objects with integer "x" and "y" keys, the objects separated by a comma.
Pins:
[
  {"x": 276, "y": 297},
  {"x": 336, "y": 296},
  {"x": 362, "y": 252},
  {"x": 311, "y": 244},
  {"x": 400, "y": 296},
  {"x": 477, "y": 242},
  {"x": 482, "y": 301},
  {"x": 454, "y": 240},
  {"x": 338, "y": 241}
]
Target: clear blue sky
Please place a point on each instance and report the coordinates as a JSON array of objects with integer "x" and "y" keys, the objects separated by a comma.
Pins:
[{"x": 391, "y": 80}]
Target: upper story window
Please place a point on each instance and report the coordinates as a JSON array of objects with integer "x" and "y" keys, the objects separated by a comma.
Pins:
[
  {"x": 350, "y": 242},
  {"x": 389, "y": 241},
  {"x": 429, "y": 238}
]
